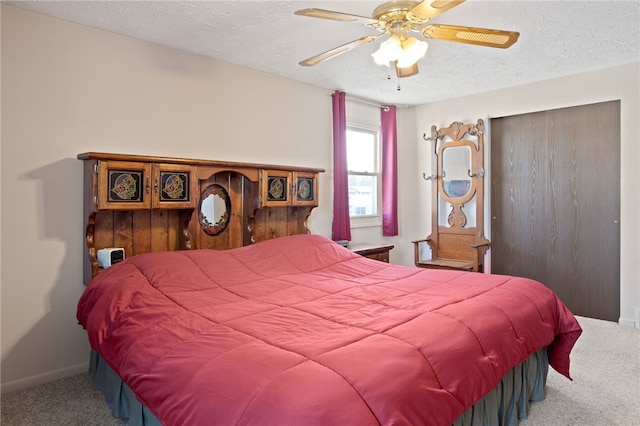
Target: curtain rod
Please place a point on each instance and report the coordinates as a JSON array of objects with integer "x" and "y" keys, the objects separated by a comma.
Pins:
[{"x": 363, "y": 101}]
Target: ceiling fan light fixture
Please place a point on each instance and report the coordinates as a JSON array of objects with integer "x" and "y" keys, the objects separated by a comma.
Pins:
[
  {"x": 406, "y": 52},
  {"x": 388, "y": 51},
  {"x": 413, "y": 50}
]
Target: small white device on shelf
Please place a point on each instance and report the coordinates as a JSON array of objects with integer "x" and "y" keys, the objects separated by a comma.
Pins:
[{"x": 110, "y": 256}]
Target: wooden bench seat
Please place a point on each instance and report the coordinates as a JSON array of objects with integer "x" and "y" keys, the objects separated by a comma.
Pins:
[{"x": 462, "y": 265}]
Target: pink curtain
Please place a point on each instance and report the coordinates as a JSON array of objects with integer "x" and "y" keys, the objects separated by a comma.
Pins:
[
  {"x": 389, "y": 172},
  {"x": 341, "y": 228}
]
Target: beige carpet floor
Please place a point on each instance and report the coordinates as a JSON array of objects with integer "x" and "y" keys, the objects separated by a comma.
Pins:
[
  {"x": 605, "y": 389},
  {"x": 605, "y": 367}
]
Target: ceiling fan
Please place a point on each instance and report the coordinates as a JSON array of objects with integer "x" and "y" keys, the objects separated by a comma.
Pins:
[{"x": 398, "y": 19}]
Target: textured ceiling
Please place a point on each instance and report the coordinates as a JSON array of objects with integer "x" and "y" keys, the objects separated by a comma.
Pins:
[{"x": 557, "y": 38}]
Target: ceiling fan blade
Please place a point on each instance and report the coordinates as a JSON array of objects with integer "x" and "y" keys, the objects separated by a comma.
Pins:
[
  {"x": 429, "y": 9},
  {"x": 406, "y": 71},
  {"x": 478, "y": 36},
  {"x": 338, "y": 50},
  {"x": 336, "y": 16}
]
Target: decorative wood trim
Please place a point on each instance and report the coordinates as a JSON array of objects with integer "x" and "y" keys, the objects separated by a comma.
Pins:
[
  {"x": 305, "y": 189},
  {"x": 229, "y": 165}
]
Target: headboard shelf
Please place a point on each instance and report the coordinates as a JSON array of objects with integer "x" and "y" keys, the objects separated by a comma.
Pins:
[
  {"x": 233, "y": 165},
  {"x": 149, "y": 203}
]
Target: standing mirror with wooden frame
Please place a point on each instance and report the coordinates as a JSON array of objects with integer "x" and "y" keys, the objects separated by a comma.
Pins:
[{"x": 457, "y": 238}]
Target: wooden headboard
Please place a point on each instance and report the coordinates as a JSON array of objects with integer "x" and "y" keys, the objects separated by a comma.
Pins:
[{"x": 147, "y": 204}]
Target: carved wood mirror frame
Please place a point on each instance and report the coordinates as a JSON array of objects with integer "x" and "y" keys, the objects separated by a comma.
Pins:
[{"x": 457, "y": 196}]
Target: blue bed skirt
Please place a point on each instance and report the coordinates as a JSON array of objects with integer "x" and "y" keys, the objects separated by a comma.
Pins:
[
  {"x": 119, "y": 397},
  {"x": 503, "y": 406}
]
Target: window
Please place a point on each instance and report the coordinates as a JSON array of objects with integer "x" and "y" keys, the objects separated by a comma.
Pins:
[{"x": 363, "y": 162}]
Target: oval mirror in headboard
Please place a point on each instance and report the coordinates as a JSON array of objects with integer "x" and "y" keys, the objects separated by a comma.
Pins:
[{"x": 214, "y": 209}]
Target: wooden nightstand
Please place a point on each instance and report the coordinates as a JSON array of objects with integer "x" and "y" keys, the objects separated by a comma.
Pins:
[{"x": 372, "y": 251}]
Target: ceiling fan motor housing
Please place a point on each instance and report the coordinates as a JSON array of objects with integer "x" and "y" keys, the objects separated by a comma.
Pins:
[{"x": 394, "y": 14}]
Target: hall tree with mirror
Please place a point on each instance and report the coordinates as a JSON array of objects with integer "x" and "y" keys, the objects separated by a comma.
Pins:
[{"x": 457, "y": 239}]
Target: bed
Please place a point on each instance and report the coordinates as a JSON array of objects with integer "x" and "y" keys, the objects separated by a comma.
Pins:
[{"x": 299, "y": 330}]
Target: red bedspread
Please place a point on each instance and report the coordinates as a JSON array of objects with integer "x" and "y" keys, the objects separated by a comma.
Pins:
[{"x": 298, "y": 330}]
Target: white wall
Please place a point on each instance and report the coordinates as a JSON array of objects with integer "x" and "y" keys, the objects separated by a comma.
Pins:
[{"x": 68, "y": 89}]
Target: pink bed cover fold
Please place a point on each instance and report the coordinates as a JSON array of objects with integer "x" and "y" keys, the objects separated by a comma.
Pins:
[{"x": 299, "y": 330}]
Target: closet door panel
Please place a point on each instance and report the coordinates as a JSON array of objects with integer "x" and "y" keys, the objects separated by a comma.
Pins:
[
  {"x": 585, "y": 207},
  {"x": 555, "y": 203},
  {"x": 519, "y": 190}
]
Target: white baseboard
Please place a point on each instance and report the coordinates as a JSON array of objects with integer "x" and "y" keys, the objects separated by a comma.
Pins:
[
  {"x": 631, "y": 322},
  {"x": 43, "y": 378},
  {"x": 627, "y": 322}
]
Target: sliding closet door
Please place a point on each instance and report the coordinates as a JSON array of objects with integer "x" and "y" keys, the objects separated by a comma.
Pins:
[{"x": 555, "y": 203}]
